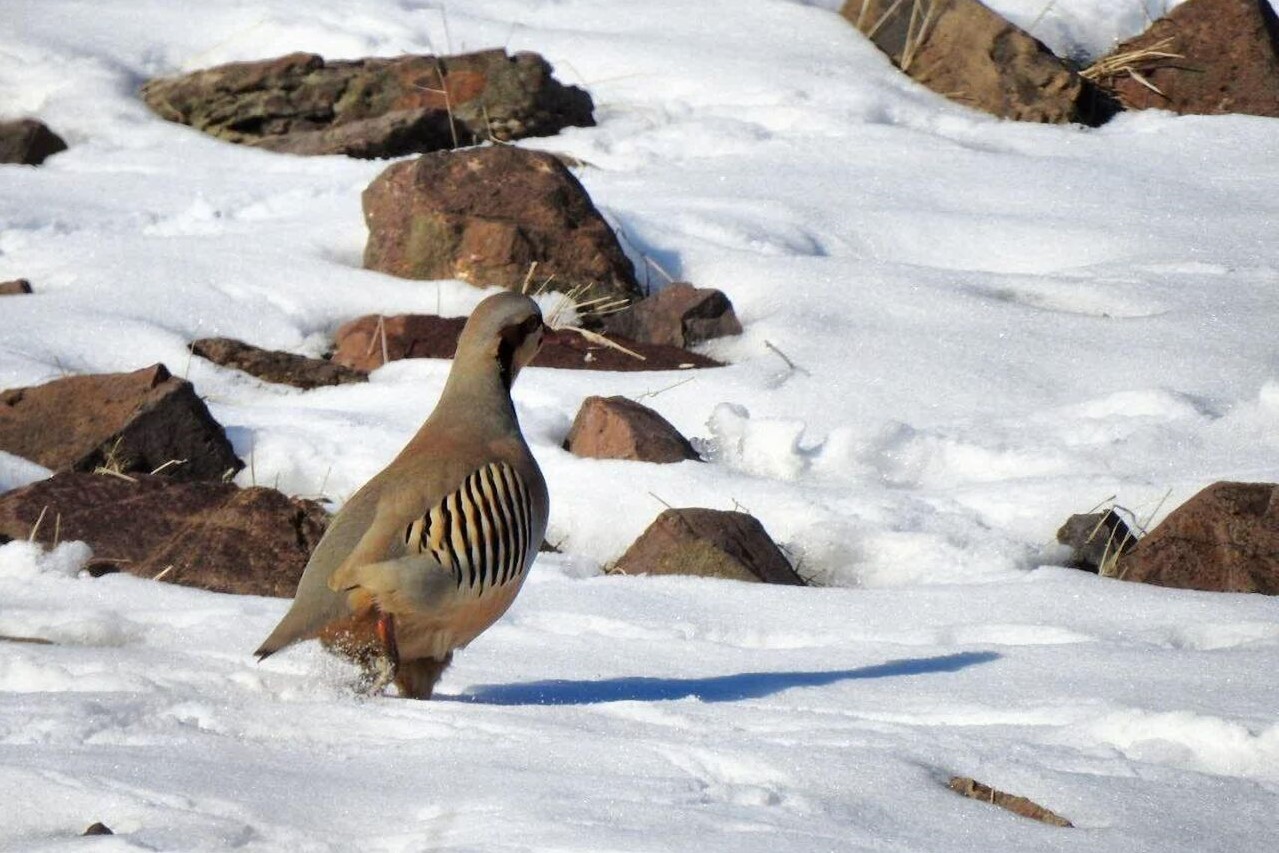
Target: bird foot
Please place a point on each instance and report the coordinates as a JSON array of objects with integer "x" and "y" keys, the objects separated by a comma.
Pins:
[
  {"x": 380, "y": 673},
  {"x": 382, "y": 668}
]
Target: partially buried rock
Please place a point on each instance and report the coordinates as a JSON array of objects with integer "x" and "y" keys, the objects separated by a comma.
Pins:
[
  {"x": 492, "y": 216},
  {"x": 1224, "y": 539},
  {"x": 970, "y": 54},
  {"x": 214, "y": 536},
  {"x": 1206, "y": 57},
  {"x": 975, "y": 790},
  {"x": 678, "y": 315},
  {"x": 1097, "y": 540},
  {"x": 28, "y": 142},
  {"x": 143, "y": 421},
  {"x": 284, "y": 368},
  {"x": 619, "y": 428},
  {"x": 708, "y": 543},
  {"x": 369, "y": 342},
  {"x": 98, "y": 829},
  {"x": 17, "y": 287},
  {"x": 374, "y": 107}
]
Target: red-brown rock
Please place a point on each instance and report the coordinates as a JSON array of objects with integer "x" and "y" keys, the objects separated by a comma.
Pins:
[
  {"x": 28, "y": 142},
  {"x": 678, "y": 315},
  {"x": 620, "y": 428},
  {"x": 708, "y": 543},
  {"x": 17, "y": 287},
  {"x": 369, "y": 342},
  {"x": 486, "y": 216},
  {"x": 284, "y": 368},
  {"x": 375, "y": 107},
  {"x": 970, "y": 54},
  {"x": 210, "y": 535},
  {"x": 1224, "y": 539},
  {"x": 1227, "y": 60},
  {"x": 126, "y": 422}
]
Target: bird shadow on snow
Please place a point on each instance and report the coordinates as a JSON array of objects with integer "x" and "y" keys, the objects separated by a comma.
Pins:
[{"x": 717, "y": 688}]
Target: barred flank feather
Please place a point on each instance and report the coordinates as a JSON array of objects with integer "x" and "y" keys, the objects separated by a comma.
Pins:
[{"x": 481, "y": 531}]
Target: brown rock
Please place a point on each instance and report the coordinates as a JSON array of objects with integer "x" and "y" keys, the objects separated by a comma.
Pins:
[
  {"x": 679, "y": 315},
  {"x": 17, "y": 287},
  {"x": 373, "y": 107},
  {"x": 98, "y": 829},
  {"x": 1097, "y": 540},
  {"x": 618, "y": 428},
  {"x": 210, "y": 535},
  {"x": 970, "y": 54},
  {"x": 486, "y": 216},
  {"x": 28, "y": 142},
  {"x": 1226, "y": 60},
  {"x": 1224, "y": 539},
  {"x": 285, "y": 368},
  {"x": 126, "y": 422},
  {"x": 975, "y": 790},
  {"x": 708, "y": 543},
  {"x": 369, "y": 342}
]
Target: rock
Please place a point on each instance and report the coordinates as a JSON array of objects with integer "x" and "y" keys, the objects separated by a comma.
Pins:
[
  {"x": 369, "y": 342},
  {"x": 1224, "y": 539},
  {"x": 975, "y": 790},
  {"x": 373, "y": 107},
  {"x": 210, "y": 535},
  {"x": 126, "y": 422},
  {"x": 486, "y": 215},
  {"x": 970, "y": 54},
  {"x": 1225, "y": 59},
  {"x": 98, "y": 829},
  {"x": 28, "y": 142},
  {"x": 618, "y": 428},
  {"x": 678, "y": 315},
  {"x": 284, "y": 368},
  {"x": 708, "y": 543},
  {"x": 1097, "y": 540},
  {"x": 16, "y": 287}
]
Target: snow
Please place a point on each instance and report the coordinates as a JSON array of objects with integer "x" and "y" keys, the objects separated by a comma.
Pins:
[{"x": 994, "y": 325}]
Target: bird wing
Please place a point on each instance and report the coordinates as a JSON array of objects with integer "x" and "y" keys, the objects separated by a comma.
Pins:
[{"x": 477, "y": 538}]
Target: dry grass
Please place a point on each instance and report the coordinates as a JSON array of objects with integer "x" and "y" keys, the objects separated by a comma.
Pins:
[
  {"x": 923, "y": 15},
  {"x": 113, "y": 463},
  {"x": 791, "y": 365},
  {"x": 1132, "y": 63},
  {"x": 568, "y": 315},
  {"x": 917, "y": 31}
]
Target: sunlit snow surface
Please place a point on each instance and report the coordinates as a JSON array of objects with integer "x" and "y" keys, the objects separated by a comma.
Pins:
[{"x": 996, "y": 325}]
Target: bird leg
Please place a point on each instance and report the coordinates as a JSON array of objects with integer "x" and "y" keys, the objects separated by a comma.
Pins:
[
  {"x": 416, "y": 678},
  {"x": 384, "y": 665}
]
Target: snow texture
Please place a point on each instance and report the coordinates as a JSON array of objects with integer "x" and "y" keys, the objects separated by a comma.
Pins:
[{"x": 994, "y": 325}]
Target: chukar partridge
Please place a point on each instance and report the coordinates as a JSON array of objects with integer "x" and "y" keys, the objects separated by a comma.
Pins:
[{"x": 432, "y": 550}]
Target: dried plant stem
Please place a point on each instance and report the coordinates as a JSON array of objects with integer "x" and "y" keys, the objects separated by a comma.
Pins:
[
  {"x": 35, "y": 529},
  {"x": 792, "y": 365},
  {"x": 670, "y": 279}
]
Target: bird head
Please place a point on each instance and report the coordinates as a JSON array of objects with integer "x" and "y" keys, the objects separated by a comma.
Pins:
[{"x": 506, "y": 328}]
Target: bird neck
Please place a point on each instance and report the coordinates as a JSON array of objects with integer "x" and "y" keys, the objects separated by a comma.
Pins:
[{"x": 476, "y": 398}]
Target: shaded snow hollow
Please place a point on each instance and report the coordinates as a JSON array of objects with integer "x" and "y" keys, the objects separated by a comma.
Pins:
[{"x": 998, "y": 325}]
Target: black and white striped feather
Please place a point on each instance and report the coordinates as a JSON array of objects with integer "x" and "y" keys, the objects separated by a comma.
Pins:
[{"x": 482, "y": 531}]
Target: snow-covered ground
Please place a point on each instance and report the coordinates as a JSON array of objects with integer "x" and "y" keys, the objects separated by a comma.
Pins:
[{"x": 998, "y": 325}]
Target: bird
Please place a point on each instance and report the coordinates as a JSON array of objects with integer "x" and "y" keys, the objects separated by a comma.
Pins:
[{"x": 433, "y": 549}]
